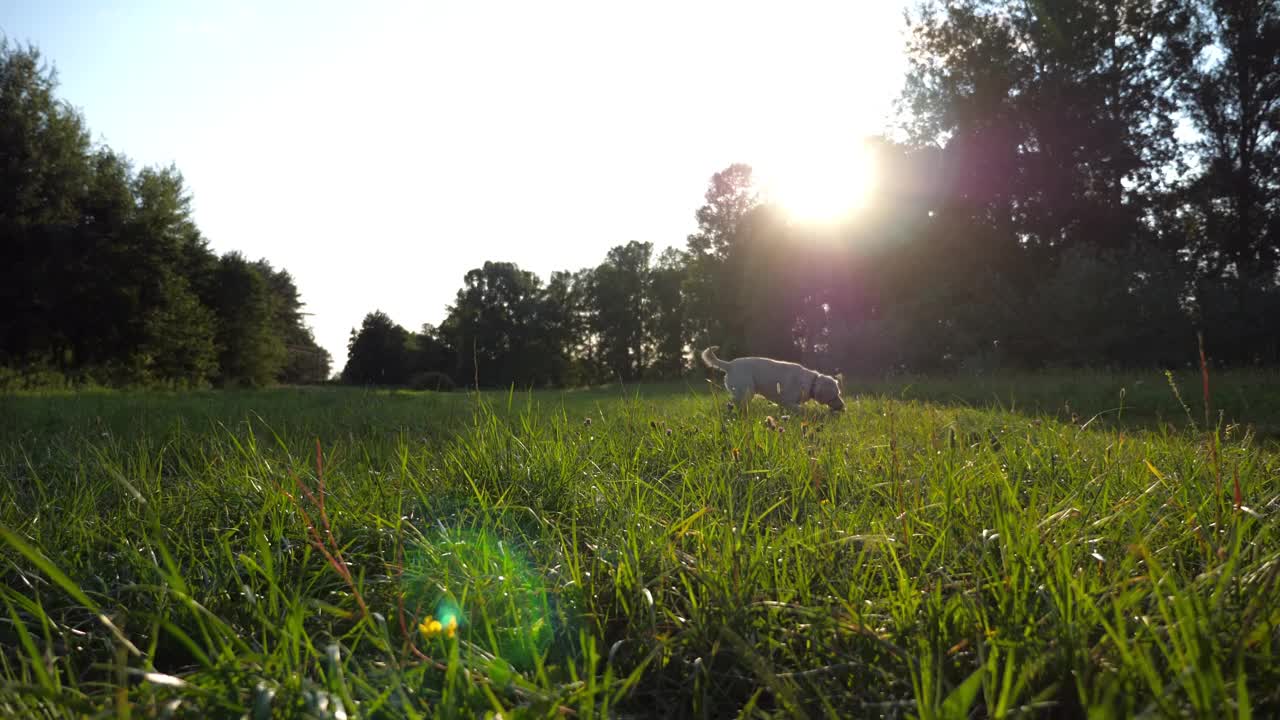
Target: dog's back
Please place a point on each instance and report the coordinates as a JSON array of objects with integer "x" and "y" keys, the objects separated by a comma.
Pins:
[{"x": 711, "y": 360}]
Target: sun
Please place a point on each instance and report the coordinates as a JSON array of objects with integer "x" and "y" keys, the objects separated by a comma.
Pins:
[{"x": 822, "y": 183}]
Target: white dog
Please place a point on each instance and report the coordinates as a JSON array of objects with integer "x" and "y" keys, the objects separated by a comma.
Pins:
[{"x": 785, "y": 383}]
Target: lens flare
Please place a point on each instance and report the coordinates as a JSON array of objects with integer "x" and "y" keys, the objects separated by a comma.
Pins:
[{"x": 483, "y": 587}]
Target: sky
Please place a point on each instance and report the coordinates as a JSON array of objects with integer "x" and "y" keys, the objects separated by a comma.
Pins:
[{"x": 379, "y": 150}]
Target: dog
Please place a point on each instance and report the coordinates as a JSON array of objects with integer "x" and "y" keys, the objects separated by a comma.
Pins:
[{"x": 785, "y": 383}]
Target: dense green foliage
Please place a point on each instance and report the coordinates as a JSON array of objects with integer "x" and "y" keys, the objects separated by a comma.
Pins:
[
  {"x": 105, "y": 276},
  {"x": 627, "y": 555}
]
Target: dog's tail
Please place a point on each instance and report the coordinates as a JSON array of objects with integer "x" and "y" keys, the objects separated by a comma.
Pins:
[{"x": 709, "y": 357}]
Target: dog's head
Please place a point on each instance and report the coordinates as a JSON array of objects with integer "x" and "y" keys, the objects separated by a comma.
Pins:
[{"x": 827, "y": 391}]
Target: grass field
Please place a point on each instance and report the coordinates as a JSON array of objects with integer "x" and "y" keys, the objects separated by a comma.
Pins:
[{"x": 1041, "y": 545}]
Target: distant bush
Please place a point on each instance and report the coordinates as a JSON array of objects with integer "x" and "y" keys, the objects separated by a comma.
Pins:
[
  {"x": 33, "y": 378},
  {"x": 431, "y": 380},
  {"x": 41, "y": 377}
]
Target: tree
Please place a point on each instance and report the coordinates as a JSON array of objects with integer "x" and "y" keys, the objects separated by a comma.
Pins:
[
  {"x": 378, "y": 353},
  {"x": 305, "y": 361},
  {"x": 588, "y": 362},
  {"x": 666, "y": 316},
  {"x": 43, "y": 174},
  {"x": 429, "y": 353},
  {"x": 105, "y": 304},
  {"x": 1231, "y": 91},
  {"x": 1110, "y": 306},
  {"x": 43, "y": 144},
  {"x": 1229, "y": 214},
  {"x": 179, "y": 337},
  {"x": 561, "y": 328},
  {"x": 619, "y": 303},
  {"x": 249, "y": 350},
  {"x": 172, "y": 328},
  {"x": 772, "y": 286},
  {"x": 1055, "y": 123},
  {"x": 103, "y": 270},
  {"x": 1056, "y": 114},
  {"x": 493, "y": 329},
  {"x": 711, "y": 287}
]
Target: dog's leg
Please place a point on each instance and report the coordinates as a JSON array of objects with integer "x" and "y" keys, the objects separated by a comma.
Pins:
[
  {"x": 773, "y": 393},
  {"x": 742, "y": 397},
  {"x": 791, "y": 395}
]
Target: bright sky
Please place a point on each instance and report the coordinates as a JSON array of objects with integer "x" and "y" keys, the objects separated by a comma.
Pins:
[{"x": 379, "y": 150}]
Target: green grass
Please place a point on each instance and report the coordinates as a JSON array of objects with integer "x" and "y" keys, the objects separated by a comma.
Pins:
[{"x": 944, "y": 549}]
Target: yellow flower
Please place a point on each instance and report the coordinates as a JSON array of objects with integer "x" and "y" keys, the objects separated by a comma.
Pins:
[{"x": 431, "y": 627}]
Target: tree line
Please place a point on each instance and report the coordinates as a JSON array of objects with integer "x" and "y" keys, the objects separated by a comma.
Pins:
[
  {"x": 621, "y": 320},
  {"x": 104, "y": 275},
  {"x": 1074, "y": 183}
]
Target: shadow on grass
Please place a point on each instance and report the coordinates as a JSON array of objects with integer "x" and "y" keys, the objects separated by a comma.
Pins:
[{"x": 1140, "y": 401}]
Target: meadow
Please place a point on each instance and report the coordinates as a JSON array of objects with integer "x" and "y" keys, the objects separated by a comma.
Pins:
[{"x": 1053, "y": 545}]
